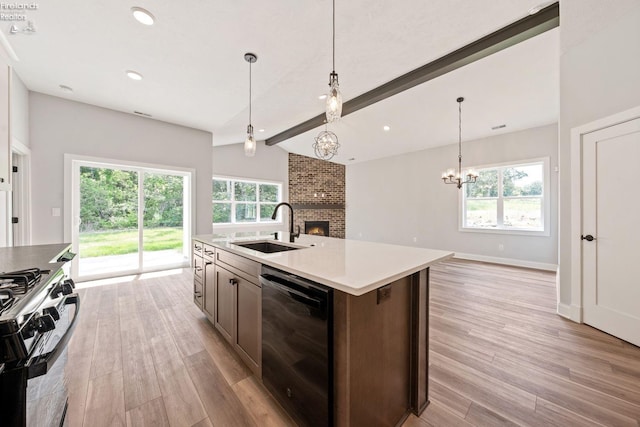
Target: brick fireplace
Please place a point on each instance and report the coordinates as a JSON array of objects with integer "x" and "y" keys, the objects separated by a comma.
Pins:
[{"x": 317, "y": 192}]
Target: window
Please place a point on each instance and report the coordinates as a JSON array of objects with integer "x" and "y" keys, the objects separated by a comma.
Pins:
[
  {"x": 507, "y": 198},
  {"x": 244, "y": 202}
]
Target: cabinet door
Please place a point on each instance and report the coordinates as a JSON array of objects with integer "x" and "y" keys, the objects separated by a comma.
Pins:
[
  {"x": 209, "y": 290},
  {"x": 249, "y": 324},
  {"x": 225, "y": 298},
  {"x": 5, "y": 134}
]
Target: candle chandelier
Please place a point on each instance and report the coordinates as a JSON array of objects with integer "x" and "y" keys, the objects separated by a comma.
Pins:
[
  {"x": 451, "y": 176},
  {"x": 326, "y": 144}
]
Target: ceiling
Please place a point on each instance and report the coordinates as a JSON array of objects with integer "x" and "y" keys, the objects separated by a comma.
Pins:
[{"x": 195, "y": 75}]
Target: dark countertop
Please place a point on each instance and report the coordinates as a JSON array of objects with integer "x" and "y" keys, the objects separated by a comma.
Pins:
[{"x": 38, "y": 256}]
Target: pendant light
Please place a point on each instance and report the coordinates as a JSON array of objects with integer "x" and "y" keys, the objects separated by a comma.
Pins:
[
  {"x": 450, "y": 176},
  {"x": 334, "y": 98},
  {"x": 250, "y": 142},
  {"x": 326, "y": 144}
]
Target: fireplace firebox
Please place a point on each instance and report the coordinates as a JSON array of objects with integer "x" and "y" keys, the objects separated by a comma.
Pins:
[{"x": 317, "y": 228}]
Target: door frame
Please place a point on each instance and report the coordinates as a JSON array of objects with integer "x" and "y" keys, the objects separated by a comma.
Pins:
[
  {"x": 22, "y": 198},
  {"x": 577, "y": 137},
  {"x": 71, "y": 197}
]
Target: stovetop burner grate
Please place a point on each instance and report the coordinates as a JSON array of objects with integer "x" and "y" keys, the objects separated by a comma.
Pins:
[
  {"x": 6, "y": 299},
  {"x": 18, "y": 282}
]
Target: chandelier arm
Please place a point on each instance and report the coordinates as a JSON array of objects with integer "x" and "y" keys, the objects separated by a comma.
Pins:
[{"x": 460, "y": 138}]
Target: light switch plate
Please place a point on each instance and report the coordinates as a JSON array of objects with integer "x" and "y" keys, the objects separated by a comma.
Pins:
[{"x": 55, "y": 211}]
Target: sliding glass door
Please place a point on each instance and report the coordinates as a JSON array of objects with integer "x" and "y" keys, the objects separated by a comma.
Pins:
[
  {"x": 163, "y": 231},
  {"x": 128, "y": 219}
]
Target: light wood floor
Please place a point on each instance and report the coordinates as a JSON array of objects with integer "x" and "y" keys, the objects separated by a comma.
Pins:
[{"x": 143, "y": 355}]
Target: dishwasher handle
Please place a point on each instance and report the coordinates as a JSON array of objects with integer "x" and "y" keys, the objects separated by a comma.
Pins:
[{"x": 271, "y": 281}]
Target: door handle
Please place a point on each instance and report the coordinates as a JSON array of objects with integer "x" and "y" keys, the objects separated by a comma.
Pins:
[
  {"x": 588, "y": 238},
  {"x": 233, "y": 282}
]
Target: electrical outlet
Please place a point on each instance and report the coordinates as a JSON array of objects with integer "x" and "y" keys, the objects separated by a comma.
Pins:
[
  {"x": 501, "y": 247},
  {"x": 415, "y": 239}
]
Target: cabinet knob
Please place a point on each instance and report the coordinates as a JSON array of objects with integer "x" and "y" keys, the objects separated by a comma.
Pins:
[{"x": 1, "y": 179}]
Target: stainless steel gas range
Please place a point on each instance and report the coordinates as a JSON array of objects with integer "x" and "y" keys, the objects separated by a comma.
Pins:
[{"x": 38, "y": 313}]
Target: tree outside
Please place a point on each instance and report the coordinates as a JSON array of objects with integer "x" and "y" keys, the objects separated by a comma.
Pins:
[{"x": 109, "y": 212}]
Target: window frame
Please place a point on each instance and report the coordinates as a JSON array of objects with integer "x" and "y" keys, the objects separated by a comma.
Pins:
[
  {"x": 499, "y": 229},
  {"x": 258, "y": 222}
]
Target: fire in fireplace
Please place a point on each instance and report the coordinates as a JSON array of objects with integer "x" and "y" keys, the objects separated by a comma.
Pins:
[{"x": 317, "y": 228}]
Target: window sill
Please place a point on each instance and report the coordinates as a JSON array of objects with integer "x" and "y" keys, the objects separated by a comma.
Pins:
[
  {"x": 277, "y": 224},
  {"x": 516, "y": 232}
]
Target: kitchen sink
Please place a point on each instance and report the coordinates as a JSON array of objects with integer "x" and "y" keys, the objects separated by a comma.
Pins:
[{"x": 266, "y": 247}]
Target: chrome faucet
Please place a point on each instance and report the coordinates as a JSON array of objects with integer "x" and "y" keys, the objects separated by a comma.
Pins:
[{"x": 292, "y": 235}]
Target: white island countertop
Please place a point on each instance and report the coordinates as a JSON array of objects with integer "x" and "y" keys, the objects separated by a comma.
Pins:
[{"x": 352, "y": 266}]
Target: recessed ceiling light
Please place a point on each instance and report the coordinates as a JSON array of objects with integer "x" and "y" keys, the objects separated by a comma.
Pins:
[
  {"x": 143, "y": 16},
  {"x": 386, "y": 128},
  {"x": 498, "y": 127},
  {"x": 323, "y": 96},
  {"x": 140, "y": 113},
  {"x": 65, "y": 88},
  {"x": 352, "y": 159},
  {"x": 133, "y": 75},
  {"x": 260, "y": 130}
]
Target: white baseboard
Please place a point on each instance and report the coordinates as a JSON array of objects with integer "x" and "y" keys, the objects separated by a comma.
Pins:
[
  {"x": 508, "y": 261},
  {"x": 571, "y": 312},
  {"x": 564, "y": 310}
]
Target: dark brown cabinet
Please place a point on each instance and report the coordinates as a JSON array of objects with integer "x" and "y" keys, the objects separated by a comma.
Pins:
[
  {"x": 225, "y": 294},
  {"x": 198, "y": 275},
  {"x": 204, "y": 278},
  {"x": 239, "y": 313},
  {"x": 248, "y": 340},
  {"x": 208, "y": 303},
  {"x": 227, "y": 289}
]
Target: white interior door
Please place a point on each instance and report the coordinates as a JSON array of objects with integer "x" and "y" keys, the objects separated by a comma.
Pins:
[{"x": 611, "y": 214}]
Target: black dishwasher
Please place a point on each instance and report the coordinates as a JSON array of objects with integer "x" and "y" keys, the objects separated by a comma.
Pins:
[{"x": 297, "y": 346}]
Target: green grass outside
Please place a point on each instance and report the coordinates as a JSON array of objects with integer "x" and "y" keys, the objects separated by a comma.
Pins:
[
  {"x": 122, "y": 242},
  {"x": 519, "y": 213}
]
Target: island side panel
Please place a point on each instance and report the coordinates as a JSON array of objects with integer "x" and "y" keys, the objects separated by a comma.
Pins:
[
  {"x": 420, "y": 341},
  {"x": 372, "y": 355}
]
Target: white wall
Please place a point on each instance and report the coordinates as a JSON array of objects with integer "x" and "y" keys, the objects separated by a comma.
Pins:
[
  {"x": 19, "y": 110},
  {"x": 59, "y": 127},
  {"x": 269, "y": 164},
  {"x": 599, "y": 76},
  {"x": 398, "y": 198}
]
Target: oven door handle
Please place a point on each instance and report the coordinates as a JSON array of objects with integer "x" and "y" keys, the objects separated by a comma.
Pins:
[{"x": 41, "y": 364}]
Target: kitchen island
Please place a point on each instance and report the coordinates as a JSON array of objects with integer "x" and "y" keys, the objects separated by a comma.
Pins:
[{"x": 379, "y": 314}]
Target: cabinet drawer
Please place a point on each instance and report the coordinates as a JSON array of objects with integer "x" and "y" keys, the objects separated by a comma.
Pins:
[
  {"x": 208, "y": 252},
  {"x": 197, "y": 293},
  {"x": 198, "y": 268},
  {"x": 197, "y": 247},
  {"x": 243, "y": 264}
]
